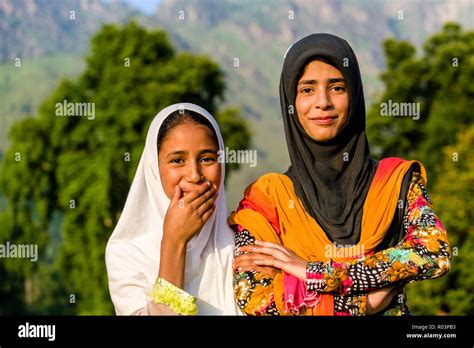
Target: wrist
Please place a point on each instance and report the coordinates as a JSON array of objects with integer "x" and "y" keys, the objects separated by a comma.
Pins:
[
  {"x": 172, "y": 261},
  {"x": 173, "y": 242}
]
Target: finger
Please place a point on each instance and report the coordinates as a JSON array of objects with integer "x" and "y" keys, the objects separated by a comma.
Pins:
[
  {"x": 250, "y": 262},
  {"x": 208, "y": 214},
  {"x": 243, "y": 263},
  {"x": 246, "y": 248},
  {"x": 250, "y": 256},
  {"x": 251, "y": 248},
  {"x": 260, "y": 249},
  {"x": 276, "y": 253},
  {"x": 210, "y": 202},
  {"x": 198, "y": 201},
  {"x": 187, "y": 186},
  {"x": 247, "y": 259},
  {"x": 270, "y": 263},
  {"x": 177, "y": 195},
  {"x": 269, "y": 271},
  {"x": 247, "y": 264},
  {"x": 197, "y": 193},
  {"x": 273, "y": 245}
]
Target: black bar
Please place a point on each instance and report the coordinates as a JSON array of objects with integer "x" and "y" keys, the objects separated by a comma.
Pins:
[{"x": 244, "y": 331}]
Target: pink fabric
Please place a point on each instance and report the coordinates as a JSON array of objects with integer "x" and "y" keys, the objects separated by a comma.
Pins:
[
  {"x": 440, "y": 225},
  {"x": 296, "y": 295}
]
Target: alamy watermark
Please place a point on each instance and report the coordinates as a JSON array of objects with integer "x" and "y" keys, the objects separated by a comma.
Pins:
[
  {"x": 75, "y": 109},
  {"x": 237, "y": 156},
  {"x": 28, "y": 330},
  {"x": 22, "y": 251},
  {"x": 395, "y": 109},
  {"x": 343, "y": 251}
]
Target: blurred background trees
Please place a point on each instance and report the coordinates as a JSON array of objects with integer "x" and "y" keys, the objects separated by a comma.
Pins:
[
  {"x": 443, "y": 140},
  {"x": 441, "y": 81},
  {"x": 63, "y": 180},
  {"x": 66, "y": 179}
]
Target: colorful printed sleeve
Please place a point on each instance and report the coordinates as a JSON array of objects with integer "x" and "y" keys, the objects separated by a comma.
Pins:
[
  {"x": 423, "y": 254},
  {"x": 253, "y": 291}
]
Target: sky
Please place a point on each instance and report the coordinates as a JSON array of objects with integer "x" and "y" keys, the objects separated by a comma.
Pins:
[{"x": 146, "y": 6}]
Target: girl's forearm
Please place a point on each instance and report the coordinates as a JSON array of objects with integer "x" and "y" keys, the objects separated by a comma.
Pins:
[{"x": 172, "y": 261}]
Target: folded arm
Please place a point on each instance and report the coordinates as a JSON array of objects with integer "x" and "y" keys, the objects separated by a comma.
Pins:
[{"x": 423, "y": 254}]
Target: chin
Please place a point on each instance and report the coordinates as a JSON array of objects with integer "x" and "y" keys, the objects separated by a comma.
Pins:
[{"x": 322, "y": 137}]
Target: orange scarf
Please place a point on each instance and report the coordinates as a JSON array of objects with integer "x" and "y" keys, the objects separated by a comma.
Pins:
[{"x": 272, "y": 212}]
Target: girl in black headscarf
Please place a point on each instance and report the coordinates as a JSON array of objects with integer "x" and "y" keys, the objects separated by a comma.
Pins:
[{"x": 339, "y": 233}]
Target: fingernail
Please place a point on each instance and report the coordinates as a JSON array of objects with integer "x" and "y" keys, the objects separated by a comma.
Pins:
[{"x": 240, "y": 269}]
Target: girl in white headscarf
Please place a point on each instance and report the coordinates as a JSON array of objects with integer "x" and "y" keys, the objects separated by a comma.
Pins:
[{"x": 171, "y": 251}]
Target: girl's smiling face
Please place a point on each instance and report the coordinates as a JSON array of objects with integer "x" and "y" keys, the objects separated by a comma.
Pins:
[
  {"x": 187, "y": 156},
  {"x": 322, "y": 101}
]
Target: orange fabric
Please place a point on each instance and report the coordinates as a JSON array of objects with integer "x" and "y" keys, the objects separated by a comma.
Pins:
[
  {"x": 278, "y": 292},
  {"x": 272, "y": 212}
]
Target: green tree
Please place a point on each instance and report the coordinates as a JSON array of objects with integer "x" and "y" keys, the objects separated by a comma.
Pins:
[
  {"x": 452, "y": 294},
  {"x": 440, "y": 81},
  {"x": 66, "y": 189}
]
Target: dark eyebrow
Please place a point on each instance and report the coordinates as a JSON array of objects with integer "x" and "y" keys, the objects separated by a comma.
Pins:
[
  {"x": 181, "y": 152},
  {"x": 208, "y": 150},
  {"x": 176, "y": 153},
  {"x": 335, "y": 80},
  {"x": 315, "y": 82}
]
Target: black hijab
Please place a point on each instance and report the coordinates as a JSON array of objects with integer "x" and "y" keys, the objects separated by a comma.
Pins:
[{"x": 331, "y": 178}]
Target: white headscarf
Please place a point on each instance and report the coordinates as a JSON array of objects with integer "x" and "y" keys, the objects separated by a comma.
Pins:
[{"x": 133, "y": 250}]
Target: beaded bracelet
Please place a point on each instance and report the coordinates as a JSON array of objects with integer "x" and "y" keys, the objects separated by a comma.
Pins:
[{"x": 177, "y": 299}]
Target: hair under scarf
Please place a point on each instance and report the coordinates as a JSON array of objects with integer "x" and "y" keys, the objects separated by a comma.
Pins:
[
  {"x": 133, "y": 250},
  {"x": 331, "y": 178}
]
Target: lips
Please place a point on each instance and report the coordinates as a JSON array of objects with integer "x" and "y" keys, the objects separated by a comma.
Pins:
[{"x": 324, "y": 119}]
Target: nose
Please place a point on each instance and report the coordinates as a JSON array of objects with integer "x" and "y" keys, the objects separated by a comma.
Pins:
[
  {"x": 194, "y": 175},
  {"x": 323, "y": 99}
]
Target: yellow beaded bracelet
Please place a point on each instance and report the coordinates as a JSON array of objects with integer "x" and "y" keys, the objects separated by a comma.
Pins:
[{"x": 177, "y": 299}]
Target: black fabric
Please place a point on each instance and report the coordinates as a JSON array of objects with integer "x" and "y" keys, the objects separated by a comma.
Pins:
[{"x": 332, "y": 190}]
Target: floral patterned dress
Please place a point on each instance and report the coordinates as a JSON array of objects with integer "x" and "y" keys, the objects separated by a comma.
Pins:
[{"x": 424, "y": 253}]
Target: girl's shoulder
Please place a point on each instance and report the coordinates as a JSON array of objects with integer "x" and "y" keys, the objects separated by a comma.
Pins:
[
  {"x": 262, "y": 194},
  {"x": 270, "y": 180}
]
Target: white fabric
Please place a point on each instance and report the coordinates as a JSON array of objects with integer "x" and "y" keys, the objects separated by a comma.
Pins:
[{"x": 133, "y": 250}]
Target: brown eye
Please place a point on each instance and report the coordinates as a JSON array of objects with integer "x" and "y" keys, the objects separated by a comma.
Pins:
[
  {"x": 339, "y": 89},
  {"x": 305, "y": 90},
  {"x": 177, "y": 161},
  {"x": 208, "y": 159}
]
